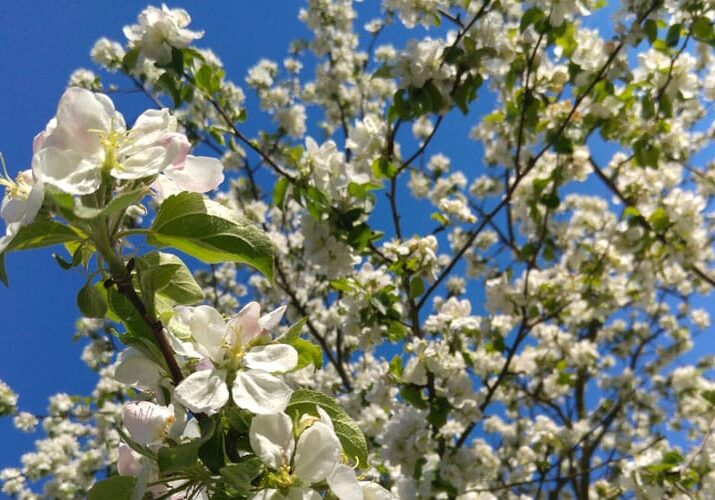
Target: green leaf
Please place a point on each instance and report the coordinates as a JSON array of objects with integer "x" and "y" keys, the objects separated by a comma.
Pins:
[
  {"x": 563, "y": 145},
  {"x": 91, "y": 302},
  {"x": 351, "y": 437},
  {"x": 308, "y": 353},
  {"x": 659, "y": 220},
  {"x": 432, "y": 99},
  {"x": 439, "y": 411},
  {"x": 202, "y": 79},
  {"x": 279, "y": 192},
  {"x": 383, "y": 169},
  {"x": 384, "y": 71},
  {"x": 293, "y": 332},
  {"x": 702, "y": 29},
  {"x": 709, "y": 396},
  {"x": 360, "y": 236},
  {"x": 673, "y": 35},
  {"x": 396, "y": 367},
  {"x": 118, "y": 204},
  {"x": 413, "y": 395},
  {"x": 177, "y": 60},
  {"x": 631, "y": 211},
  {"x": 42, "y": 233},
  {"x": 129, "y": 61},
  {"x": 531, "y": 16},
  {"x": 178, "y": 458},
  {"x": 211, "y": 232},
  {"x": 212, "y": 452},
  {"x": 550, "y": 200},
  {"x": 417, "y": 287},
  {"x": 651, "y": 30},
  {"x": 153, "y": 279},
  {"x": 122, "y": 309},
  {"x": 441, "y": 218},
  {"x": 238, "y": 420},
  {"x": 170, "y": 277},
  {"x": 467, "y": 92},
  {"x": 168, "y": 83},
  {"x": 646, "y": 154},
  {"x": 114, "y": 488},
  {"x": 240, "y": 475}
]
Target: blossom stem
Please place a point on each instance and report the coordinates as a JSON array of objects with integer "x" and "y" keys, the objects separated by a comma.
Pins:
[
  {"x": 126, "y": 288},
  {"x": 121, "y": 276}
]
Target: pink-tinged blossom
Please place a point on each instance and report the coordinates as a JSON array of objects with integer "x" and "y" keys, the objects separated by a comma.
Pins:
[
  {"x": 88, "y": 137},
  {"x": 237, "y": 347}
]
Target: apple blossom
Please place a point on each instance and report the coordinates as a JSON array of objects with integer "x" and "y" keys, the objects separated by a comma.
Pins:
[
  {"x": 160, "y": 30},
  {"x": 23, "y": 200},
  {"x": 235, "y": 353},
  {"x": 88, "y": 137},
  {"x": 312, "y": 458},
  {"x": 491, "y": 305}
]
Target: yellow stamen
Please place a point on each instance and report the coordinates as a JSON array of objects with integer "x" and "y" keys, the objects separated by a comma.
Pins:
[{"x": 19, "y": 188}]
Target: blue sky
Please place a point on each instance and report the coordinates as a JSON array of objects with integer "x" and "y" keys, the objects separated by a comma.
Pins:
[{"x": 40, "y": 45}]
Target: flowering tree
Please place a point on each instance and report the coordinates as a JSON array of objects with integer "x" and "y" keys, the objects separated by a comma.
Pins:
[{"x": 525, "y": 340}]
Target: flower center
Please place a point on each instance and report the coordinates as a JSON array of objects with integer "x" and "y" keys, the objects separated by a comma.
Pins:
[
  {"x": 281, "y": 478},
  {"x": 19, "y": 188},
  {"x": 111, "y": 142}
]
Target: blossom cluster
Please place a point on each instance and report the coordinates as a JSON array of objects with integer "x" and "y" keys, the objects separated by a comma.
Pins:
[{"x": 502, "y": 317}]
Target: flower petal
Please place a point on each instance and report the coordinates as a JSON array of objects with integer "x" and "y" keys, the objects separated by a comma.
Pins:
[
  {"x": 204, "y": 391},
  {"x": 344, "y": 484},
  {"x": 183, "y": 348},
  {"x": 154, "y": 120},
  {"x": 325, "y": 418},
  {"x": 260, "y": 392},
  {"x": 147, "y": 422},
  {"x": 128, "y": 463},
  {"x": 244, "y": 326},
  {"x": 206, "y": 326},
  {"x": 67, "y": 170},
  {"x": 272, "y": 358},
  {"x": 269, "y": 321},
  {"x": 82, "y": 116},
  {"x": 141, "y": 163},
  {"x": 136, "y": 370},
  {"x": 198, "y": 174},
  {"x": 373, "y": 491},
  {"x": 271, "y": 438},
  {"x": 316, "y": 454}
]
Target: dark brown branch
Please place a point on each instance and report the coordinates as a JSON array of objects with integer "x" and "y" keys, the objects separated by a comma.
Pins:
[{"x": 126, "y": 288}]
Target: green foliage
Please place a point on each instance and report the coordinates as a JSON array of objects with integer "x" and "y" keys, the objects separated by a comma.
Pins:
[
  {"x": 91, "y": 302},
  {"x": 208, "y": 79},
  {"x": 351, "y": 437},
  {"x": 211, "y": 232},
  {"x": 113, "y": 488},
  {"x": 118, "y": 204},
  {"x": 165, "y": 275},
  {"x": 240, "y": 475},
  {"x": 702, "y": 28},
  {"x": 659, "y": 220},
  {"x": 308, "y": 353},
  {"x": 413, "y": 395},
  {"x": 41, "y": 233},
  {"x": 183, "y": 456}
]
